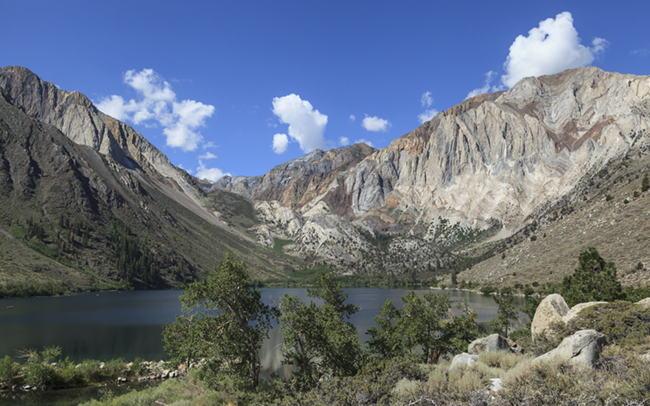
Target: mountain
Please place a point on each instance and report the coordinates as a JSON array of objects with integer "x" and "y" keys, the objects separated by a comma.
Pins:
[
  {"x": 88, "y": 199},
  {"x": 490, "y": 165},
  {"x": 86, "y": 196}
]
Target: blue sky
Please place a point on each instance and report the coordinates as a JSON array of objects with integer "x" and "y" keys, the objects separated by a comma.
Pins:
[{"x": 240, "y": 86}]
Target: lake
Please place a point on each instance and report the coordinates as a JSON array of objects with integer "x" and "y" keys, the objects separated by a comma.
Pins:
[{"x": 129, "y": 324}]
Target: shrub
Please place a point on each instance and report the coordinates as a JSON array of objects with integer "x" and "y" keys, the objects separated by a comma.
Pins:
[
  {"x": 623, "y": 323},
  {"x": 90, "y": 371},
  {"x": 37, "y": 374},
  {"x": 504, "y": 360},
  {"x": 486, "y": 290},
  {"x": 8, "y": 370},
  {"x": 138, "y": 368},
  {"x": 609, "y": 197},
  {"x": 114, "y": 367},
  {"x": 406, "y": 386}
]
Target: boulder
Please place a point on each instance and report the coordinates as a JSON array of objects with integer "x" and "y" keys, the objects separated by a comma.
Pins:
[
  {"x": 493, "y": 342},
  {"x": 495, "y": 384},
  {"x": 644, "y": 302},
  {"x": 580, "y": 349},
  {"x": 463, "y": 359},
  {"x": 576, "y": 309},
  {"x": 550, "y": 310}
]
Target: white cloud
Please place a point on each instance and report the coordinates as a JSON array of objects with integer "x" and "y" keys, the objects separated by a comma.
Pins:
[
  {"x": 208, "y": 155},
  {"x": 209, "y": 145},
  {"x": 344, "y": 141},
  {"x": 489, "y": 76},
  {"x": 427, "y": 99},
  {"x": 369, "y": 143},
  {"x": 427, "y": 115},
  {"x": 280, "y": 142},
  {"x": 352, "y": 117},
  {"x": 306, "y": 125},
  {"x": 550, "y": 48},
  {"x": 375, "y": 124},
  {"x": 643, "y": 52},
  {"x": 157, "y": 102},
  {"x": 213, "y": 174}
]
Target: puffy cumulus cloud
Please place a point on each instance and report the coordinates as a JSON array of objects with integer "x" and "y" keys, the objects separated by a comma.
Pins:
[
  {"x": 344, "y": 141},
  {"x": 375, "y": 124},
  {"x": 157, "y": 104},
  {"x": 306, "y": 125},
  {"x": 280, "y": 142},
  {"x": 352, "y": 117},
  {"x": 427, "y": 99},
  {"x": 364, "y": 141},
  {"x": 208, "y": 155},
  {"x": 427, "y": 115},
  {"x": 212, "y": 174},
  {"x": 550, "y": 48}
]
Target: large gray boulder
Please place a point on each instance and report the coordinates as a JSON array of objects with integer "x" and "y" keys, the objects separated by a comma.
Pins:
[
  {"x": 580, "y": 349},
  {"x": 462, "y": 359},
  {"x": 577, "y": 309},
  {"x": 645, "y": 303},
  {"x": 550, "y": 310},
  {"x": 493, "y": 342}
]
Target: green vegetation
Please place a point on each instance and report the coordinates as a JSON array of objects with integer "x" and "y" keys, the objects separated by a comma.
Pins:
[
  {"x": 593, "y": 280},
  {"x": 320, "y": 333},
  {"x": 46, "y": 369},
  {"x": 225, "y": 322},
  {"x": 33, "y": 288},
  {"x": 505, "y": 313}
]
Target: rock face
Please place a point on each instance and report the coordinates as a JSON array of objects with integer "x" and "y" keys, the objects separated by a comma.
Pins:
[
  {"x": 75, "y": 116},
  {"x": 500, "y": 157},
  {"x": 462, "y": 360},
  {"x": 550, "y": 310},
  {"x": 491, "y": 343},
  {"x": 581, "y": 349}
]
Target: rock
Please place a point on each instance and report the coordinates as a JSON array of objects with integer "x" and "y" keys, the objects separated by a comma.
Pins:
[
  {"x": 141, "y": 379},
  {"x": 462, "y": 359},
  {"x": 26, "y": 387},
  {"x": 644, "y": 302},
  {"x": 576, "y": 309},
  {"x": 580, "y": 349},
  {"x": 495, "y": 384},
  {"x": 550, "y": 310},
  {"x": 493, "y": 342},
  {"x": 101, "y": 365},
  {"x": 325, "y": 378}
]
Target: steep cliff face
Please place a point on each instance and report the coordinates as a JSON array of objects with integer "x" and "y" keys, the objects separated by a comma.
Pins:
[
  {"x": 505, "y": 155},
  {"x": 499, "y": 157},
  {"x": 76, "y": 116}
]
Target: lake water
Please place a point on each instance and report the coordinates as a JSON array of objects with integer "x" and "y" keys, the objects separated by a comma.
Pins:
[{"x": 129, "y": 324}]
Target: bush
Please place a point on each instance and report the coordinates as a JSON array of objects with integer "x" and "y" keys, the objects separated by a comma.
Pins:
[
  {"x": 9, "y": 370},
  {"x": 138, "y": 368},
  {"x": 504, "y": 360},
  {"x": 623, "y": 323},
  {"x": 486, "y": 290},
  {"x": 90, "y": 371}
]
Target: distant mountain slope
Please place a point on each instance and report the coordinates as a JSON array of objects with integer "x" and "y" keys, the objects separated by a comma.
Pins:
[{"x": 100, "y": 213}]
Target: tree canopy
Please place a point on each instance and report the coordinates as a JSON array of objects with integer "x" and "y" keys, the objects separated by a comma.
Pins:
[
  {"x": 224, "y": 321},
  {"x": 593, "y": 280}
]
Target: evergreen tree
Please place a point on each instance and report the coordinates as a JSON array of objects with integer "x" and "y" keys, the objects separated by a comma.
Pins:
[{"x": 593, "y": 280}]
